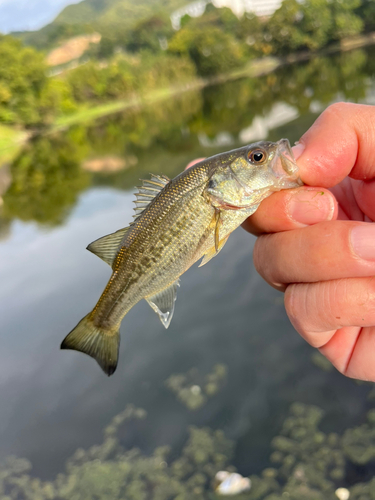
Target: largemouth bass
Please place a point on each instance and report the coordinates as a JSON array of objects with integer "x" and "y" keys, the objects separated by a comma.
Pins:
[{"x": 177, "y": 222}]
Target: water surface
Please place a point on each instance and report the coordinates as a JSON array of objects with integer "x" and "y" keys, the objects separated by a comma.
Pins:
[{"x": 53, "y": 402}]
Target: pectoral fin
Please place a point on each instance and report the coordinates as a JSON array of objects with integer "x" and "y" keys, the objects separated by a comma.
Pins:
[
  {"x": 217, "y": 222},
  {"x": 213, "y": 251},
  {"x": 163, "y": 303},
  {"x": 107, "y": 247}
]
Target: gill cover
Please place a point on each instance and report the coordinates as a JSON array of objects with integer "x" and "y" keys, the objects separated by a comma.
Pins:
[{"x": 259, "y": 170}]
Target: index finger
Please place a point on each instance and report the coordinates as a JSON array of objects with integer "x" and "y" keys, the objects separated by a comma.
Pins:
[{"x": 341, "y": 142}]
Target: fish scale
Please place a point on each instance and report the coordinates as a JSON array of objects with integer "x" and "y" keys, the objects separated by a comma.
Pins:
[{"x": 176, "y": 223}]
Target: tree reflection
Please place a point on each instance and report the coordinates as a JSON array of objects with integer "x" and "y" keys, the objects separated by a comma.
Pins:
[
  {"x": 46, "y": 180},
  {"x": 306, "y": 463},
  {"x": 164, "y": 136}
]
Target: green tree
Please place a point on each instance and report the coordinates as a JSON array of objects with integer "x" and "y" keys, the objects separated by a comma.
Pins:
[
  {"x": 22, "y": 82},
  {"x": 250, "y": 30},
  {"x": 366, "y": 11},
  {"x": 56, "y": 97},
  {"x": 211, "y": 50},
  {"x": 223, "y": 18},
  {"x": 345, "y": 21},
  {"x": 316, "y": 23},
  {"x": 150, "y": 34},
  {"x": 283, "y": 30},
  {"x": 311, "y": 24},
  {"x": 91, "y": 82},
  {"x": 295, "y": 26},
  {"x": 104, "y": 49}
]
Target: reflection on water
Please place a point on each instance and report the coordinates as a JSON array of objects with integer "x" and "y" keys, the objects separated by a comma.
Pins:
[
  {"x": 230, "y": 365},
  {"x": 193, "y": 389},
  {"x": 306, "y": 463},
  {"x": 47, "y": 176}
]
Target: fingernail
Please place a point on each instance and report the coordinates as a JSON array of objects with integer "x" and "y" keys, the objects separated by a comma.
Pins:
[
  {"x": 194, "y": 162},
  {"x": 363, "y": 241},
  {"x": 298, "y": 149},
  {"x": 309, "y": 206}
]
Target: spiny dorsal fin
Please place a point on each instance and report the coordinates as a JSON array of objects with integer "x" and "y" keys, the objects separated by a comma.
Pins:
[
  {"x": 107, "y": 247},
  {"x": 147, "y": 192},
  {"x": 163, "y": 303}
]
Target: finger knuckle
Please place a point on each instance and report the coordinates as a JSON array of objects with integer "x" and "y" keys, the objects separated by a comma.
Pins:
[
  {"x": 259, "y": 257},
  {"x": 336, "y": 109},
  {"x": 290, "y": 302}
]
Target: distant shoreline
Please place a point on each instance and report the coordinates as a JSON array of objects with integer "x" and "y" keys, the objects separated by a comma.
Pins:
[{"x": 253, "y": 69}]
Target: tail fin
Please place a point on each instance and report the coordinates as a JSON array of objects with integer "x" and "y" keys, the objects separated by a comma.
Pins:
[{"x": 99, "y": 343}]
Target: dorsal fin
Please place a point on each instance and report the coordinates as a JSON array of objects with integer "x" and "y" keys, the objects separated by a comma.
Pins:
[
  {"x": 107, "y": 247},
  {"x": 147, "y": 192}
]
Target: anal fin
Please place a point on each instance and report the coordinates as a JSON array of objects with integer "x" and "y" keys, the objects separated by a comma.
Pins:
[
  {"x": 213, "y": 251},
  {"x": 163, "y": 303}
]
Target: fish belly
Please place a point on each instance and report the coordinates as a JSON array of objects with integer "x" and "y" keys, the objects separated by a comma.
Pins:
[{"x": 157, "y": 255}]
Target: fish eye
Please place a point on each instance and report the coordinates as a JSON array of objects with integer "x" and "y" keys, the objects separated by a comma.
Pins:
[{"x": 257, "y": 156}]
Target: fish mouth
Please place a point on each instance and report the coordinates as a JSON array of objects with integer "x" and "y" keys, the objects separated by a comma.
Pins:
[{"x": 284, "y": 166}]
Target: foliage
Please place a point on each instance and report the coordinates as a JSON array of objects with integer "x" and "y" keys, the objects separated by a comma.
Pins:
[
  {"x": 147, "y": 55},
  {"x": 359, "y": 443},
  {"x": 172, "y": 128},
  {"x": 108, "y": 472},
  {"x": 308, "y": 25},
  {"x": 22, "y": 81},
  {"x": 122, "y": 78},
  {"x": 212, "y": 51},
  {"x": 222, "y": 18},
  {"x": 193, "y": 389},
  {"x": 91, "y": 82},
  {"x": 150, "y": 34},
  {"x": 250, "y": 30},
  {"x": 46, "y": 180},
  {"x": 345, "y": 22},
  {"x": 27, "y": 95},
  {"x": 296, "y": 25},
  {"x": 366, "y": 11},
  {"x": 307, "y": 462},
  {"x": 50, "y": 35}
]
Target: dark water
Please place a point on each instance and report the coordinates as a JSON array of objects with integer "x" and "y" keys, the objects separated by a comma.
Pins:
[{"x": 54, "y": 402}]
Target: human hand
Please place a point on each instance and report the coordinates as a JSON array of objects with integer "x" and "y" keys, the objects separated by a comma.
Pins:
[{"x": 319, "y": 245}]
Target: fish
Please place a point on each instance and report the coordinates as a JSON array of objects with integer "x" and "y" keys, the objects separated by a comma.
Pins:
[{"x": 176, "y": 223}]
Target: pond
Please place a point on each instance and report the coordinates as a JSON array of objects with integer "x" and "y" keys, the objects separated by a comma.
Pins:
[{"x": 230, "y": 361}]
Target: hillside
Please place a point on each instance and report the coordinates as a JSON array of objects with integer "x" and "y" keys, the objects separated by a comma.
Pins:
[
  {"x": 101, "y": 16},
  {"x": 114, "y": 11}
]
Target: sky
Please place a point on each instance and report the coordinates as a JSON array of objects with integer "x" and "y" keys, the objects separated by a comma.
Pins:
[{"x": 21, "y": 15}]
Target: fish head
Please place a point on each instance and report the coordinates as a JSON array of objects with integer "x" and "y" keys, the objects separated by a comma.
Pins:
[{"x": 252, "y": 173}]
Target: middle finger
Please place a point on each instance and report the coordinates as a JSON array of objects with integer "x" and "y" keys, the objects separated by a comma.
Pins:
[{"x": 325, "y": 251}]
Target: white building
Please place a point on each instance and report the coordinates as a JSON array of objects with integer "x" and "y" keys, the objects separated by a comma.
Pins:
[
  {"x": 238, "y": 7},
  {"x": 258, "y": 7},
  {"x": 280, "y": 114},
  {"x": 193, "y": 9}
]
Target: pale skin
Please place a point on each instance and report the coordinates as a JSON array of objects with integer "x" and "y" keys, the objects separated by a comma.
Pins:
[{"x": 317, "y": 244}]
